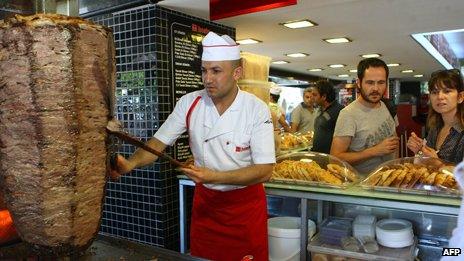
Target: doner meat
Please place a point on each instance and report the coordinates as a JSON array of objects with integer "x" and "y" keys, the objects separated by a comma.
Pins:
[{"x": 56, "y": 95}]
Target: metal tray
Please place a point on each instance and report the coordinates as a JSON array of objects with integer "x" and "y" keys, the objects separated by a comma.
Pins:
[
  {"x": 309, "y": 183},
  {"x": 384, "y": 253}
]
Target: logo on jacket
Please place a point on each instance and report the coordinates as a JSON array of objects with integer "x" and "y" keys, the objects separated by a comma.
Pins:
[{"x": 240, "y": 149}]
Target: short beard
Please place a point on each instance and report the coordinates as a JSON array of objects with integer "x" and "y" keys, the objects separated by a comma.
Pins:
[{"x": 366, "y": 97}]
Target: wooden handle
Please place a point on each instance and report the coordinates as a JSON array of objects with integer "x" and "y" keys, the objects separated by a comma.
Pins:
[{"x": 126, "y": 137}]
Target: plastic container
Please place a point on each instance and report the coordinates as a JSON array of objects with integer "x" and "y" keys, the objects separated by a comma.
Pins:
[
  {"x": 414, "y": 175},
  {"x": 313, "y": 168},
  {"x": 364, "y": 226},
  {"x": 284, "y": 237},
  {"x": 334, "y": 229}
]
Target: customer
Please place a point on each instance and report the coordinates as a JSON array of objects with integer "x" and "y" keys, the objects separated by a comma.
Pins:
[
  {"x": 324, "y": 125},
  {"x": 276, "y": 109},
  {"x": 445, "y": 119},
  {"x": 231, "y": 138},
  {"x": 304, "y": 114},
  {"x": 365, "y": 134}
]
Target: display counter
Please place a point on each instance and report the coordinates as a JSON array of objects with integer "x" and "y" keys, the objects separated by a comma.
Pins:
[{"x": 351, "y": 195}]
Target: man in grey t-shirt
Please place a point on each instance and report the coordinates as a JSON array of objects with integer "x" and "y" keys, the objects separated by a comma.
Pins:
[
  {"x": 365, "y": 133},
  {"x": 304, "y": 114}
]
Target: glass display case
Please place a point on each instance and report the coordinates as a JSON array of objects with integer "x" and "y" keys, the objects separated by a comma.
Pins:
[
  {"x": 314, "y": 169},
  {"x": 414, "y": 175}
]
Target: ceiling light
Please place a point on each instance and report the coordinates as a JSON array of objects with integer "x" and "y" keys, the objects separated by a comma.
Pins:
[
  {"x": 279, "y": 62},
  {"x": 248, "y": 41},
  {"x": 371, "y": 55},
  {"x": 418, "y": 75},
  {"x": 343, "y": 75},
  {"x": 299, "y": 24},
  {"x": 296, "y": 55},
  {"x": 315, "y": 69},
  {"x": 393, "y": 64},
  {"x": 353, "y": 71},
  {"x": 336, "y": 65},
  {"x": 407, "y": 71},
  {"x": 337, "y": 40}
]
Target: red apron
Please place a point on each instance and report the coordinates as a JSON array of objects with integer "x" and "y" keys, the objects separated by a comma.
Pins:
[{"x": 228, "y": 225}]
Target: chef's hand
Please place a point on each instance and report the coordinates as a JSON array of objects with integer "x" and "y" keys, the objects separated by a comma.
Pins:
[
  {"x": 415, "y": 143},
  {"x": 387, "y": 146},
  {"x": 199, "y": 174},
  {"x": 120, "y": 167},
  {"x": 429, "y": 152}
]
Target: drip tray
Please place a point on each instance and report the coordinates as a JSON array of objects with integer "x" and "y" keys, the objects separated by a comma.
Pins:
[{"x": 103, "y": 248}]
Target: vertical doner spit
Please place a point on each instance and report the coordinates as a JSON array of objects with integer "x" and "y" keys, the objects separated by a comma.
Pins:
[{"x": 57, "y": 78}]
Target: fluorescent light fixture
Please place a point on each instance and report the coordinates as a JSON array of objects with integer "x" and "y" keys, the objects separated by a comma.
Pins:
[
  {"x": 248, "y": 41},
  {"x": 343, "y": 75},
  {"x": 371, "y": 55},
  {"x": 297, "y": 55},
  {"x": 279, "y": 62},
  {"x": 336, "y": 65},
  {"x": 299, "y": 24},
  {"x": 393, "y": 64},
  {"x": 418, "y": 75},
  {"x": 337, "y": 40},
  {"x": 353, "y": 71},
  {"x": 407, "y": 71},
  {"x": 315, "y": 69}
]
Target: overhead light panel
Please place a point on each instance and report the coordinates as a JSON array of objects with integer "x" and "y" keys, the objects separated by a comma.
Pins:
[
  {"x": 407, "y": 71},
  {"x": 371, "y": 55},
  {"x": 393, "y": 64},
  {"x": 353, "y": 71},
  {"x": 336, "y": 65},
  {"x": 337, "y": 40},
  {"x": 343, "y": 75},
  {"x": 279, "y": 62},
  {"x": 299, "y": 24},
  {"x": 418, "y": 75},
  {"x": 248, "y": 41},
  {"x": 315, "y": 69},
  {"x": 297, "y": 55}
]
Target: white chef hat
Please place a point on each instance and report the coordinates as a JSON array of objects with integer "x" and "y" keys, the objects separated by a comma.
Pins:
[
  {"x": 275, "y": 89},
  {"x": 219, "y": 48}
]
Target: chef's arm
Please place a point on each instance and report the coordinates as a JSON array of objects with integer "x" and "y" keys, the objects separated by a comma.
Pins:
[
  {"x": 254, "y": 174},
  {"x": 340, "y": 145},
  {"x": 139, "y": 159}
]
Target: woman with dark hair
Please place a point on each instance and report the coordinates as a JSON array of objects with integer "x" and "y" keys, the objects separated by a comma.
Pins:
[{"x": 445, "y": 121}]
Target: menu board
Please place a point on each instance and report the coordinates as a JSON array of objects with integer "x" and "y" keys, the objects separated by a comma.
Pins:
[{"x": 185, "y": 36}]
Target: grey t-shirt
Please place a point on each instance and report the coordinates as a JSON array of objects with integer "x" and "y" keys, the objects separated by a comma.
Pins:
[
  {"x": 367, "y": 127},
  {"x": 304, "y": 118}
]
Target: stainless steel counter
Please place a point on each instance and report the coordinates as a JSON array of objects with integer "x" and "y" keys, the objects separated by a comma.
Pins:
[
  {"x": 351, "y": 195},
  {"x": 103, "y": 248}
]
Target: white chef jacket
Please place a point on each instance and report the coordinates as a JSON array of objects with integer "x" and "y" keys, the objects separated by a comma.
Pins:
[
  {"x": 240, "y": 137},
  {"x": 457, "y": 239}
]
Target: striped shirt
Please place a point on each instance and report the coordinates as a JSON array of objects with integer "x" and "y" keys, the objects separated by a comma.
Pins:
[{"x": 452, "y": 149}]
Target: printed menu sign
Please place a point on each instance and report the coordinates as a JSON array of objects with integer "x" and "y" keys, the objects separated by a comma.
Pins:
[{"x": 185, "y": 36}]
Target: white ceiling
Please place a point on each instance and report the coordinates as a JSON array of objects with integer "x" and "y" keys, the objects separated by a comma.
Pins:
[{"x": 375, "y": 26}]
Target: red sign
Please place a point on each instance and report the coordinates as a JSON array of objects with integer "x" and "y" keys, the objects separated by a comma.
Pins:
[{"x": 219, "y": 9}]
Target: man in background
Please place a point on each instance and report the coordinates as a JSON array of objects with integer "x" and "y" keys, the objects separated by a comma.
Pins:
[
  {"x": 324, "y": 125},
  {"x": 365, "y": 134},
  {"x": 276, "y": 109},
  {"x": 304, "y": 114}
]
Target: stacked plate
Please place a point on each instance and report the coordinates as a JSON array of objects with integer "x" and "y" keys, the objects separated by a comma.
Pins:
[
  {"x": 364, "y": 226},
  {"x": 394, "y": 233}
]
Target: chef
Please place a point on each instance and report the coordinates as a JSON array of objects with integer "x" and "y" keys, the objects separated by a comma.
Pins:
[{"x": 231, "y": 138}]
